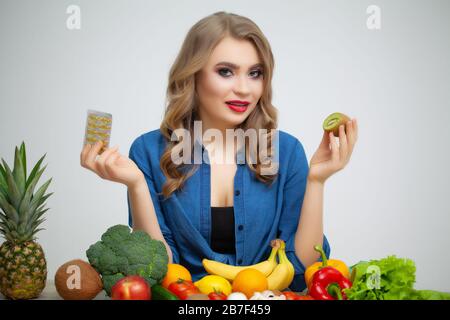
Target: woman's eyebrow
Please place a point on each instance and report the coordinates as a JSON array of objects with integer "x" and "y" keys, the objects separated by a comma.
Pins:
[{"x": 236, "y": 67}]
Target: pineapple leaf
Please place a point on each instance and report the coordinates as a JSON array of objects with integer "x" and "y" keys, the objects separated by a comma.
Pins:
[
  {"x": 34, "y": 232},
  {"x": 2, "y": 170},
  {"x": 23, "y": 154},
  {"x": 41, "y": 212},
  {"x": 3, "y": 184},
  {"x": 14, "y": 234},
  {"x": 36, "y": 213},
  {"x": 34, "y": 171},
  {"x": 18, "y": 173},
  {"x": 9, "y": 223},
  {"x": 13, "y": 191},
  {"x": 38, "y": 222},
  {"x": 44, "y": 198},
  {"x": 4, "y": 227},
  {"x": 2, "y": 200},
  {"x": 40, "y": 205},
  {"x": 36, "y": 201},
  {"x": 2, "y": 215},
  {"x": 7, "y": 236},
  {"x": 22, "y": 229},
  {"x": 9, "y": 210},
  {"x": 32, "y": 221},
  {"x": 25, "y": 204}
]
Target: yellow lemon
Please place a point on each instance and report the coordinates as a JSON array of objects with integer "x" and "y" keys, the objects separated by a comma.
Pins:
[{"x": 213, "y": 283}]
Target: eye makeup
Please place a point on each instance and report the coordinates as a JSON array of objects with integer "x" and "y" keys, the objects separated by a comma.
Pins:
[{"x": 224, "y": 72}]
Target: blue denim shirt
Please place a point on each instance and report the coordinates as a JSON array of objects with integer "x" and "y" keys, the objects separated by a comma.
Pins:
[{"x": 262, "y": 212}]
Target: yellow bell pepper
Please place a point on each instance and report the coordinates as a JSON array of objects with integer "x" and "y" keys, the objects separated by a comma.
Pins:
[{"x": 337, "y": 264}]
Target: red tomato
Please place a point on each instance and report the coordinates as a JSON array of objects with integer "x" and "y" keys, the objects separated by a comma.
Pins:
[
  {"x": 217, "y": 296},
  {"x": 290, "y": 295},
  {"x": 131, "y": 288},
  {"x": 183, "y": 288},
  {"x": 294, "y": 296}
]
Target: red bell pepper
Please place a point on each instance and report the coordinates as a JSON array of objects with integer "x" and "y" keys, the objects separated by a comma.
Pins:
[{"x": 328, "y": 284}]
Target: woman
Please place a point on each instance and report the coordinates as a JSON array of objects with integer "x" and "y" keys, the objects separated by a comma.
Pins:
[{"x": 230, "y": 211}]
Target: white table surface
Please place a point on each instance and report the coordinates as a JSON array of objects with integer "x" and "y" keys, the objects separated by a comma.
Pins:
[{"x": 50, "y": 293}]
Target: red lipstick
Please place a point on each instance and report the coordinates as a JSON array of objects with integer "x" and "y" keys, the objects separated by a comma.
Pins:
[{"x": 237, "y": 105}]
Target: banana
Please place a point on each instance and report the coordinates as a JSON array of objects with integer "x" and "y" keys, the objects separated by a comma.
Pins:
[
  {"x": 283, "y": 274},
  {"x": 229, "y": 272}
]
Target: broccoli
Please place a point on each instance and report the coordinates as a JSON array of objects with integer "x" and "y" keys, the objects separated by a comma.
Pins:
[{"x": 121, "y": 253}]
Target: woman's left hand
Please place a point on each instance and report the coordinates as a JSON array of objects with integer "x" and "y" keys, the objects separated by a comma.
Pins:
[{"x": 326, "y": 161}]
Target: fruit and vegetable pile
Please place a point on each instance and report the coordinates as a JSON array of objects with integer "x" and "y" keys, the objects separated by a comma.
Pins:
[{"x": 129, "y": 265}]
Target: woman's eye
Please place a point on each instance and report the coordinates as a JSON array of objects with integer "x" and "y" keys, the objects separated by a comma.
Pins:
[
  {"x": 223, "y": 72},
  {"x": 227, "y": 73},
  {"x": 257, "y": 73}
]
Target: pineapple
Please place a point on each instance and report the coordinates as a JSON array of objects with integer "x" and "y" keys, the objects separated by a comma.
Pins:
[{"x": 23, "y": 268}]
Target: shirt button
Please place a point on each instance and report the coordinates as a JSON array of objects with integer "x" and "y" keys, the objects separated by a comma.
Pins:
[
  {"x": 237, "y": 192},
  {"x": 240, "y": 261},
  {"x": 240, "y": 227}
]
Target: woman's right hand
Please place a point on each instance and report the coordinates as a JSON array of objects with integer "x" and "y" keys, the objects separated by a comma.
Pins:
[{"x": 111, "y": 165}]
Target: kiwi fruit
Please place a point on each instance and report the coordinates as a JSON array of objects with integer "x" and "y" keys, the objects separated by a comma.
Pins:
[
  {"x": 333, "y": 121},
  {"x": 85, "y": 286}
]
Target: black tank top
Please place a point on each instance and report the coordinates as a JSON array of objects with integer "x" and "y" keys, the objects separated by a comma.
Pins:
[{"x": 222, "y": 230}]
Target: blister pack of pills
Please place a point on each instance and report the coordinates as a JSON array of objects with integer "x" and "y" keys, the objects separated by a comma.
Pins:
[{"x": 98, "y": 127}]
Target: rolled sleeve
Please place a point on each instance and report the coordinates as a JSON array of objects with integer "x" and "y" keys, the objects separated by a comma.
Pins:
[
  {"x": 137, "y": 154},
  {"x": 293, "y": 195}
]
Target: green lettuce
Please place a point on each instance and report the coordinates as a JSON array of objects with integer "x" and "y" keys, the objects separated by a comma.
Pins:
[
  {"x": 430, "y": 295},
  {"x": 390, "y": 278}
]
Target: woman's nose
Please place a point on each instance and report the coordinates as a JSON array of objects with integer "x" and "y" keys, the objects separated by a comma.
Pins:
[{"x": 242, "y": 85}]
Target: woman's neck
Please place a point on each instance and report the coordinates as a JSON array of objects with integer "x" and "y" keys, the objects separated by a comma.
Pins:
[{"x": 228, "y": 146}]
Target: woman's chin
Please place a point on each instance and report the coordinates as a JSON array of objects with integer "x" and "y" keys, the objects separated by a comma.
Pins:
[{"x": 235, "y": 120}]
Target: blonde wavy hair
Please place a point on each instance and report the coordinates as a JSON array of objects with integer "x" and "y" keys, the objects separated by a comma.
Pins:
[{"x": 181, "y": 97}]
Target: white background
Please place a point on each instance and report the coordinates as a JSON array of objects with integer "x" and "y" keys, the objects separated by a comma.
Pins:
[{"x": 392, "y": 198}]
